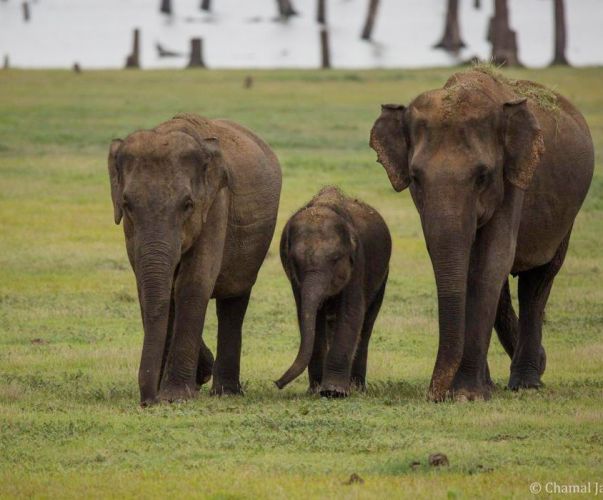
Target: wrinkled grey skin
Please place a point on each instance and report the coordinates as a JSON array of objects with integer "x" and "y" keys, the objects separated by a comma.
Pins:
[
  {"x": 497, "y": 180},
  {"x": 199, "y": 200},
  {"x": 335, "y": 252}
]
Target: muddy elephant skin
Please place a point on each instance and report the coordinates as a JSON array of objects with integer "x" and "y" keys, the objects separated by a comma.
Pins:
[
  {"x": 498, "y": 170},
  {"x": 335, "y": 252},
  {"x": 199, "y": 200}
]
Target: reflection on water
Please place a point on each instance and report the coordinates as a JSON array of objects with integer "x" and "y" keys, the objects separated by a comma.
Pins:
[{"x": 243, "y": 33}]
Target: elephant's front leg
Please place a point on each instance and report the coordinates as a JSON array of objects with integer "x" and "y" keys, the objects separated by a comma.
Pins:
[
  {"x": 491, "y": 261},
  {"x": 180, "y": 379},
  {"x": 317, "y": 360},
  {"x": 340, "y": 356},
  {"x": 231, "y": 313}
]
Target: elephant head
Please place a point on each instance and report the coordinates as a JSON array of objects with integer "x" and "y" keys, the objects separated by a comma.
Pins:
[
  {"x": 458, "y": 149},
  {"x": 163, "y": 184},
  {"x": 318, "y": 251}
]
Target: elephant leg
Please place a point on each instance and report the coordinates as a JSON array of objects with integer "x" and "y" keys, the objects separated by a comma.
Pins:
[
  {"x": 340, "y": 356},
  {"x": 534, "y": 290},
  {"x": 507, "y": 327},
  {"x": 231, "y": 313},
  {"x": 360, "y": 361},
  {"x": 472, "y": 380},
  {"x": 180, "y": 379},
  {"x": 318, "y": 354},
  {"x": 506, "y": 323},
  {"x": 491, "y": 260}
]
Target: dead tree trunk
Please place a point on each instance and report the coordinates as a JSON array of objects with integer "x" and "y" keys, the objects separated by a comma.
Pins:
[
  {"x": 166, "y": 7},
  {"x": 206, "y": 5},
  {"x": 502, "y": 37},
  {"x": 367, "y": 31},
  {"x": 560, "y": 35},
  {"x": 321, "y": 12},
  {"x": 285, "y": 9},
  {"x": 26, "y": 12},
  {"x": 6, "y": 64},
  {"x": 325, "y": 50},
  {"x": 133, "y": 60},
  {"x": 196, "y": 59},
  {"x": 451, "y": 40}
]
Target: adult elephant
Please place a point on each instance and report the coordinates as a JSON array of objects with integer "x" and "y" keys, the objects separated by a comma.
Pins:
[
  {"x": 199, "y": 200},
  {"x": 498, "y": 170}
]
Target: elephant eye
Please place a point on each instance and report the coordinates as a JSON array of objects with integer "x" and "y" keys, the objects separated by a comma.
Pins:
[
  {"x": 126, "y": 204},
  {"x": 188, "y": 204},
  {"x": 482, "y": 176}
]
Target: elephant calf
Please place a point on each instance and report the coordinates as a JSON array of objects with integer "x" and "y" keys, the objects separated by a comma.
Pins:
[
  {"x": 335, "y": 252},
  {"x": 199, "y": 200}
]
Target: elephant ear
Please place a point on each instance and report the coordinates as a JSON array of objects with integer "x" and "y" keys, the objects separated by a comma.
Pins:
[
  {"x": 215, "y": 176},
  {"x": 388, "y": 139},
  {"x": 115, "y": 179},
  {"x": 524, "y": 143}
]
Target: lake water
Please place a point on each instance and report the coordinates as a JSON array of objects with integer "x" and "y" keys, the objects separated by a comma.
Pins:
[{"x": 243, "y": 33}]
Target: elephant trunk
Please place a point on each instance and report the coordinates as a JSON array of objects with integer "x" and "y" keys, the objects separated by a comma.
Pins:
[
  {"x": 155, "y": 266},
  {"x": 449, "y": 245},
  {"x": 312, "y": 292}
]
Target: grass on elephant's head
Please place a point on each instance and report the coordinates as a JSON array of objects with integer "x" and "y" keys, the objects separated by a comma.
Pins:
[{"x": 70, "y": 333}]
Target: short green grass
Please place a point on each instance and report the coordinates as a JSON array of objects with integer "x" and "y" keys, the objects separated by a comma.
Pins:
[{"x": 70, "y": 332}]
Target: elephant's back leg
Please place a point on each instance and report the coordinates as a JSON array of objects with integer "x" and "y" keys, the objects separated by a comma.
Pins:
[
  {"x": 534, "y": 290},
  {"x": 361, "y": 359},
  {"x": 226, "y": 371},
  {"x": 506, "y": 323}
]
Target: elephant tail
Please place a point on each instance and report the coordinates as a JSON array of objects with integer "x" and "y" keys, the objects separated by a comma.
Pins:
[{"x": 506, "y": 323}]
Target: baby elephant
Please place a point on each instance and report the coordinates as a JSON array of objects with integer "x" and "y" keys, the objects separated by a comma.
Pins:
[{"x": 335, "y": 252}]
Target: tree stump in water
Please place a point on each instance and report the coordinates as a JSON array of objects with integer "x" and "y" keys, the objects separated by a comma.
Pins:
[
  {"x": 26, "y": 12},
  {"x": 560, "y": 35},
  {"x": 502, "y": 37},
  {"x": 451, "y": 40},
  {"x": 325, "y": 51},
  {"x": 367, "y": 31},
  {"x": 166, "y": 7},
  {"x": 133, "y": 60},
  {"x": 285, "y": 9},
  {"x": 196, "y": 59},
  {"x": 321, "y": 12}
]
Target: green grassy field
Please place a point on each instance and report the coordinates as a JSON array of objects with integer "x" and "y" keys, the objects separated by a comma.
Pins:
[{"x": 70, "y": 332}]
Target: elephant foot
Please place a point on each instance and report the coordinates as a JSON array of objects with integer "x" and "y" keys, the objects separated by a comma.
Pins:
[
  {"x": 172, "y": 393},
  {"x": 436, "y": 395},
  {"x": 524, "y": 380},
  {"x": 472, "y": 394},
  {"x": 333, "y": 391},
  {"x": 313, "y": 388},
  {"x": 220, "y": 388},
  {"x": 467, "y": 388},
  {"x": 147, "y": 402},
  {"x": 359, "y": 383}
]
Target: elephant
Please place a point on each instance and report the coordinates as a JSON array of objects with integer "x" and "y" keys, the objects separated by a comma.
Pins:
[
  {"x": 199, "y": 201},
  {"x": 335, "y": 252},
  {"x": 498, "y": 170}
]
